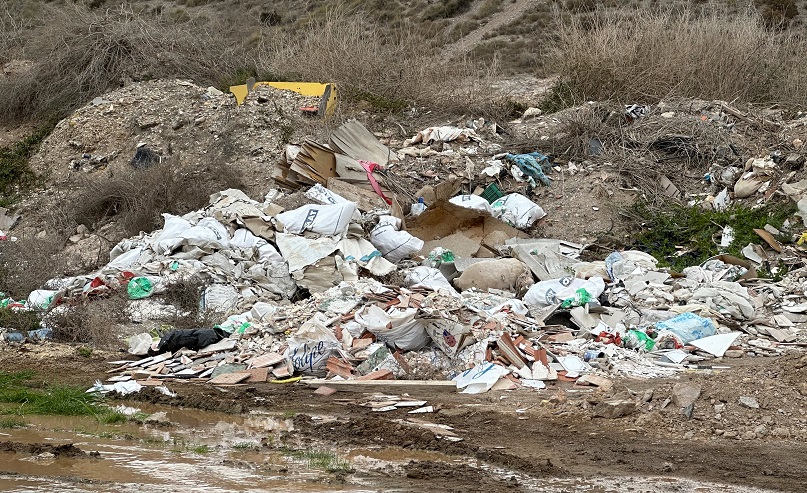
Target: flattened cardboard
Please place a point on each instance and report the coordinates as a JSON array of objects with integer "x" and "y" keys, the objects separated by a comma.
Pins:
[
  {"x": 470, "y": 226},
  {"x": 732, "y": 260}
]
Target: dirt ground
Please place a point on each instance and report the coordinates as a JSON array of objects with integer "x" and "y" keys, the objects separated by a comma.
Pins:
[{"x": 548, "y": 433}]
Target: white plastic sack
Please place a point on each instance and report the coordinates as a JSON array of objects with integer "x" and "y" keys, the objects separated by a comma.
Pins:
[
  {"x": 262, "y": 311},
  {"x": 472, "y": 202},
  {"x": 325, "y": 196},
  {"x": 517, "y": 210},
  {"x": 428, "y": 277},
  {"x": 480, "y": 378},
  {"x": 41, "y": 299},
  {"x": 441, "y": 134},
  {"x": 126, "y": 260},
  {"x": 268, "y": 253},
  {"x": 301, "y": 252},
  {"x": 122, "y": 247},
  {"x": 220, "y": 298},
  {"x": 139, "y": 344},
  {"x": 394, "y": 245},
  {"x": 243, "y": 238},
  {"x": 566, "y": 291},
  {"x": 310, "y": 348},
  {"x": 171, "y": 236},
  {"x": 398, "y": 329},
  {"x": 218, "y": 229},
  {"x": 203, "y": 238},
  {"x": 322, "y": 219}
]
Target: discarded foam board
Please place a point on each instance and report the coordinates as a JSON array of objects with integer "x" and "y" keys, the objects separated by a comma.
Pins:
[{"x": 716, "y": 344}]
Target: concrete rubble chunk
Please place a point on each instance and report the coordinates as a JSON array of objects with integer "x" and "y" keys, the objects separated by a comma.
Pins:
[
  {"x": 615, "y": 408},
  {"x": 748, "y": 402},
  {"x": 684, "y": 394}
]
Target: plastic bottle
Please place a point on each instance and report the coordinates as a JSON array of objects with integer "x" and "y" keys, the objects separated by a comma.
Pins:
[{"x": 418, "y": 208}]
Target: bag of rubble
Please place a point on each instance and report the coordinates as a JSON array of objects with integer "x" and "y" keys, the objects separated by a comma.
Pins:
[
  {"x": 568, "y": 291},
  {"x": 517, "y": 210},
  {"x": 331, "y": 220},
  {"x": 397, "y": 329},
  {"x": 688, "y": 327},
  {"x": 472, "y": 202},
  {"x": 310, "y": 347},
  {"x": 393, "y": 244},
  {"x": 431, "y": 278}
]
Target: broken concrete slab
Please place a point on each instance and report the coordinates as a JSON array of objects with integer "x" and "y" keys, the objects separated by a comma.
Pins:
[
  {"x": 615, "y": 408},
  {"x": 229, "y": 378},
  {"x": 685, "y": 393},
  {"x": 748, "y": 402}
]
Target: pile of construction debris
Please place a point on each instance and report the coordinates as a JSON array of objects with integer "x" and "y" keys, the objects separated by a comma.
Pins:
[{"x": 364, "y": 283}]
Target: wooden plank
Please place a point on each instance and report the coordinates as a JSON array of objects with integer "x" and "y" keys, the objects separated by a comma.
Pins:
[{"x": 386, "y": 385}]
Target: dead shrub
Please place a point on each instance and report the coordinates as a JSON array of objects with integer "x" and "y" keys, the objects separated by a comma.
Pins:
[
  {"x": 27, "y": 263},
  {"x": 777, "y": 14},
  {"x": 81, "y": 53},
  {"x": 86, "y": 321},
  {"x": 15, "y": 22},
  {"x": 645, "y": 57},
  {"x": 136, "y": 198},
  {"x": 19, "y": 320},
  {"x": 185, "y": 295}
]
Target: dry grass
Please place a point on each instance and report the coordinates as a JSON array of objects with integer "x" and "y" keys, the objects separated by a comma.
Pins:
[
  {"x": 80, "y": 53},
  {"x": 136, "y": 198},
  {"x": 89, "y": 321},
  {"x": 646, "y": 57},
  {"x": 382, "y": 66},
  {"x": 184, "y": 295},
  {"x": 27, "y": 263}
]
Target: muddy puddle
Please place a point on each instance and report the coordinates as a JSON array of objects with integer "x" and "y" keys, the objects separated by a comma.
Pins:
[{"x": 205, "y": 451}]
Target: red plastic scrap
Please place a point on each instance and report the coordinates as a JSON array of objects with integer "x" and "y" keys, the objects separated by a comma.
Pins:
[{"x": 608, "y": 338}]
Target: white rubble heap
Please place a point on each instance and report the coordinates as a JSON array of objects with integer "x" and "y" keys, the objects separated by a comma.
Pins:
[{"x": 581, "y": 321}]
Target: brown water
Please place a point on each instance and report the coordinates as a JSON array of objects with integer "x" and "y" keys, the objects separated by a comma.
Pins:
[{"x": 212, "y": 452}]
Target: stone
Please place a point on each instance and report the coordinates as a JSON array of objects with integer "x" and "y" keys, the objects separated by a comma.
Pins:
[
  {"x": 685, "y": 394},
  {"x": 734, "y": 353},
  {"x": 688, "y": 410},
  {"x": 749, "y": 435},
  {"x": 749, "y": 402},
  {"x": 159, "y": 419},
  {"x": 761, "y": 430},
  {"x": 647, "y": 396},
  {"x": 794, "y": 160},
  {"x": 614, "y": 408}
]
